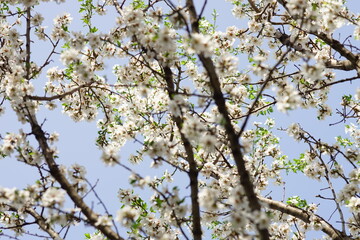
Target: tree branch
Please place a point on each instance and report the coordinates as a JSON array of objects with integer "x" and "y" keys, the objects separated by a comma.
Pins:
[
  {"x": 193, "y": 171},
  {"x": 219, "y": 99},
  {"x": 28, "y": 42},
  {"x": 353, "y": 59},
  {"x": 64, "y": 183},
  {"x": 345, "y": 65},
  {"x": 60, "y": 96},
  {"x": 336, "y": 45},
  {"x": 42, "y": 223},
  {"x": 304, "y": 215},
  {"x": 253, "y": 6}
]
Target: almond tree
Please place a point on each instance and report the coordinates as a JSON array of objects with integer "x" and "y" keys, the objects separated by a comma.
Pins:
[{"x": 182, "y": 95}]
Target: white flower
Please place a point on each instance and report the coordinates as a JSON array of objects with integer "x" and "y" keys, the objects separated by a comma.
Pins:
[
  {"x": 61, "y": 20},
  {"x": 202, "y": 44},
  {"x": 127, "y": 215},
  {"x": 208, "y": 198},
  {"x": 357, "y": 33},
  {"x": 40, "y": 33},
  {"x": 174, "y": 108},
  {"x": 10, "y": 142},
  {"x": 167, "y": 176},
  {"x": 261, "y": 219},
  {"x": 77, "y": 173},
  {"x": 288, "y": 98},
  {"x": 94, "y": 40},
  {"x": 354, "y": 204},
  {"x": 158, "y": 147},
  {"x": 110, "y": 155},
  {"x": 238, "y": 12},
  {"x": 103, "y": 221},
  {"x": 97, "y": 236},
  {"x": 315, "y": 222},
  {"x": 315, "y": 72},
  {"x": 254, "y": 26},
  {"x": 294, "y": 131},
  {"x": 53, "y": 196},
  {"x": 209, "y": 142},
  {"x": 37, "y": 19},
  {"x": 270, "y": 122},
  {"x": 69, "y": 56},
  {"x": 357, "y": 94},
  {"x": 54, "y": 137},
  {"x": 227, "y": 65},
  {"x": 207, "y": 169},
  {"x": 165, "y": 41}
]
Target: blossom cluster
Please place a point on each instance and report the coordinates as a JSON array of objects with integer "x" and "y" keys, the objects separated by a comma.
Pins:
[{"x": 181, "y": 93}]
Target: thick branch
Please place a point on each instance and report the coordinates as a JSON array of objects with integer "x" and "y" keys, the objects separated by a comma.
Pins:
[
  {"x": 39, "y": 220},
  {"x": 193, "y": 171},
  {"x": 219, "y": 99},
  {"x": 42, "y": 223},
  {"x": 245, "y": 179},
  {"x": 305, "y": 217},
  {"x": 253, "y": 6},
  {"x": 60, "y": 96},
  {"x": 65, "y": 184},
  {"x": 345, "y": 65},
  {"x": 340, "y": 48},
  {"x": 336, "y": 45},
  {"x": 28, "y": 42}
]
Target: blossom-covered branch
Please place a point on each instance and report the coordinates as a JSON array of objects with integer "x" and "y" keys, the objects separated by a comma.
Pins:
[
  {"x": 48, "y": 154},
  {"x": 307, "y": 217},
  {"x": 187, "y": 105}
]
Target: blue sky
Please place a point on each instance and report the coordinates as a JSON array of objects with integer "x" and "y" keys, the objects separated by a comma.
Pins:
[{"x": 77, "y": 140}]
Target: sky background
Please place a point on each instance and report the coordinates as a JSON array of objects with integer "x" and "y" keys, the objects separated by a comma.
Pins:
[{"x": 77, "y": 140}]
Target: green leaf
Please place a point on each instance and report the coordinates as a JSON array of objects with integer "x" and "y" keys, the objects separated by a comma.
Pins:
[
  {"x": 94, "y": 29},
  {"x": 296, "y": 165},
  {"x": 344, "y": 141},
  {"x": 314, "y": 6},
  {"x": 138, "y": 4},
  {"x": 297, "y": 202},
  {"x": 158, "y": 202}
]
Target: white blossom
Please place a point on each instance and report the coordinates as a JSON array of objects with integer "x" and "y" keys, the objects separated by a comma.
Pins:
[
  {"x": 127, "y": 215},
  {"x": 53, "y": 196}
]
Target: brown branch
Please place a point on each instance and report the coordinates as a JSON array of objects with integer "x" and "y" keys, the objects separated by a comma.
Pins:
[
  {"x": 118, "y": 7},
  {"x": 331, "y": 187},
  {"x": 339, "y": 47},
  {"x": 64, "y": 183},
  {"x": 253, "y": 6},
  {"x": 219, "y": 99},
  {"x": 42, "y": 223},
  {"x": 345, "y": 65},
  {"x": 193, "y": 16},
  {"x": 38, "y": 220},
  {"x": 47, "y": 60},
  {"x": 304, "y": 215},
  {"x": 28, "y": 42},
  {"x": 333, "y": 83},
  {"x": 60, "y": 96},
  {"x": 352, "y": 58},
  {"x": 193, "y": 170},
  {"x": 245, "y": 179}
]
